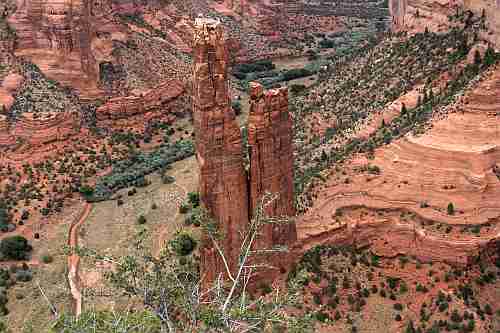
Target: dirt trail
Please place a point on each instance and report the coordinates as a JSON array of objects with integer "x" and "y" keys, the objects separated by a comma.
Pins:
[{"x": 74, "y": 260}]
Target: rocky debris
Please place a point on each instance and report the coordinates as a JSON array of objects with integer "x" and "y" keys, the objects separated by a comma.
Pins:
[
  {"x": 224, "y": 189},
  {"x": 270, "y": 142}
]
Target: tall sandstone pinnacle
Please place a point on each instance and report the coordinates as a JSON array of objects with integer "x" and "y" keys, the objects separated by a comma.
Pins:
[
  {"x": 223, "y": 183},
  {"x": 270, "y": 138},
  {"x": 229, "y": 194}
]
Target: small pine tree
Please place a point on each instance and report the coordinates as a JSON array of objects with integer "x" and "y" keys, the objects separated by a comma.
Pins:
[
  {"x": 451, "y": 209},
  {"x": 403, "y": 109}
]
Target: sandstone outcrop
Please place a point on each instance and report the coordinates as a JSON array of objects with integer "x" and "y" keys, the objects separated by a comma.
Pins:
[
  {"x": 225, "y": 191},
  {"x": 56, "y": 35},
  {"x": 123, "y": 107},
  {"x": 454, "y": 162},
  {"x": 38, "y": 129},
  {"x": 270, "y": 131},
  {"x": 6, "y": 138},
  {"x": 7, "y": 90},
  {"x": 223, "y": 184},
  {"x": 491, "y": 9}
]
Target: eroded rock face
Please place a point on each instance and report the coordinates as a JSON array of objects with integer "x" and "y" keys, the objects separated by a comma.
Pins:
[
  {"x": 56, "y": 35},
  {"x": 39, "y": 129},
  {"x": 6, "y": 139},
  {"x": 123, "y": 107},
  {"x": 271, "y": 159},
  {"x": 491, "y": 9},
  {"x": 225, "y": 191},
  {"x": 223, "y": 184}
]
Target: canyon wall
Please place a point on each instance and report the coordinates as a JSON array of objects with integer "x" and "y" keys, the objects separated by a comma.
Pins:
[
  {"x": 416, "y": 15},
  {"x": 491, "y": 9},
  {"x": 226, "y": 191},
  {"x": 223, "y": 184},
  {"x": 56, "y": 35}
]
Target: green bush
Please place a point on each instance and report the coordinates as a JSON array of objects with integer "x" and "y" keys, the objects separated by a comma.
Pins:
[
  {"x": 194, "y": 199},
  {"x": 15, "y": 248},
  {"x": 183, "y": 244},
  {"x": 296, "y": 73},
  {"x": 47, "y": 259},
  {"x": 451, "y": 209},
  {"x": 141, "y": 219}
]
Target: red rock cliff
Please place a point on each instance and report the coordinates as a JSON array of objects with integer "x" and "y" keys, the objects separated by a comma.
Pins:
[{"x": 223, "y": 184}]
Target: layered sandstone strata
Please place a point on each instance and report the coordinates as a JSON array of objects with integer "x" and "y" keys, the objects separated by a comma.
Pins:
[
  {"x": 124, "y": 107},
  {"x": 56, "y": 35},
  {"x": 271, "y": 159},
  {"x": 6, "y": 138},
  {"x": 223, "y": 184},
  {"x": 455, "y": 162},
  {"x": 37, "y": 129}
]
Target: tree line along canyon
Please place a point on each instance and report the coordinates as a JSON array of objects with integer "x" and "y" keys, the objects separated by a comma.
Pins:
[{"x": 249, "y": 166}]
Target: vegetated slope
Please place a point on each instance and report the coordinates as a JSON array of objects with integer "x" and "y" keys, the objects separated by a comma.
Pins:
[{"x": 360, "y": 88}]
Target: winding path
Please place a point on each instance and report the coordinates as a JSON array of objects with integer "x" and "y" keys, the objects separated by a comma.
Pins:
[{"x": 74, "y": 260}]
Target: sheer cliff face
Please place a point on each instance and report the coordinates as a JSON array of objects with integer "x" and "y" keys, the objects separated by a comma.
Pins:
[
  {"x": 416, "y": 15},
  {"x": 223, "y": 184},
  {"x": 56, "y": 35},
  {"x": 492, "y": 11},
  {"x": 271, "y": 159},
  {"x": 225, "y": 191}
]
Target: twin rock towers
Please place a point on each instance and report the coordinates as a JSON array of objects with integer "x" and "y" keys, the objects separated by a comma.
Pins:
[{"x": 229, "y": 192}]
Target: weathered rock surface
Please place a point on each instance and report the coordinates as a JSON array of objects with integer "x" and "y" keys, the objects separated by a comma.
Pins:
[
  {"x": 38, "y": 129},
  {"x": 223, "y": 184},
  {"x": 56, "y": 35},
  {"x": 491, "y": 10},
  {"x": 455, "y": 162},
  {"x": 123, "y": 107},
  {"x": 225, "y": 191},
  {"x": 6, "y": 138},
  {"x": 271, "y": 159}
]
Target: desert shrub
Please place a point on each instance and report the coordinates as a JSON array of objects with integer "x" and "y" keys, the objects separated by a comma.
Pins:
[
  {"x": 15, "y": 248},
  {"x": 236, "y": 105},
  {"x": 184, "y": 208},
  {"x": 47, "y": 259},
  {"x": 296, "y": 73},
  {"x": 141, "y": 219},
  {"x": 194, "y": 199},
  {"x": 450, "y": 209},
  {"x": 24, "y": 275},
  {"x": 183, "y": 244}
]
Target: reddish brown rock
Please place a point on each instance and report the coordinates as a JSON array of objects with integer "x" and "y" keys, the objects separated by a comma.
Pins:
[
  {"x": 271, "y": 159},
  {"x": 124, "y": 107},
  {"x": 223, "y": 183},
  {"x": 224, "y": 189},
  {"x": 6, "y": 139},
  {"x": 46, "y": 127},
  {"x": 56, "y": 35}
]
